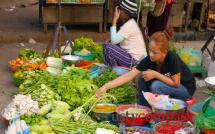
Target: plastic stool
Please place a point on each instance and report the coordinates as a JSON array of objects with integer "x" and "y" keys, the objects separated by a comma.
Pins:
[{"x": 198, "y": 69}]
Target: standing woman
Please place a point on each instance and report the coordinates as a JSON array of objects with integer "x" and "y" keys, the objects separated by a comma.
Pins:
[
  {"x": 159, "y": 23},
  {"x": 163, "y": 72},
  {"x": 131, "y": 46}
]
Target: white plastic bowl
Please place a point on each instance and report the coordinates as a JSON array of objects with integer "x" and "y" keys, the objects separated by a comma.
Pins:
[
  {"x": 71, "y": 59},
  {"x": 210, "y": 82}
]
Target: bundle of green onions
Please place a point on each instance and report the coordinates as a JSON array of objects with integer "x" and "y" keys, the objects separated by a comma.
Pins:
[{"x": 81, "y": 127}]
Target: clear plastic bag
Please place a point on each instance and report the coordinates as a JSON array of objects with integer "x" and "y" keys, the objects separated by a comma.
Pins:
[{"x": 190, "y": 56}]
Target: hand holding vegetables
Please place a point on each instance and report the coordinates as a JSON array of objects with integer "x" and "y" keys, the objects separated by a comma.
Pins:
[
  {"x": 102, "y": 80},
  {"x": 101, "y": 91},
  {"x": 123, "y": 94}
]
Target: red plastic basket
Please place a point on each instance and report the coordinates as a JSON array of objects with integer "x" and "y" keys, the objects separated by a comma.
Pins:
[
  {"x": 85, "y": 64},
  {"x": 134, "y": 120}
]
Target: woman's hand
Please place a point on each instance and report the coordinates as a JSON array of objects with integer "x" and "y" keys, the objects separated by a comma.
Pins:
[
  {"x": 116, "y": 16},
  {"x": 107, "y": 41},
  {"x": 118, "y": 82},
  {"x": 149, "y": 75},
  {"x": 101, "y": 90}
]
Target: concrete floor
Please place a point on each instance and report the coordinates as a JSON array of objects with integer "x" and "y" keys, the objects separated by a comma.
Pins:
[{"x": 22, "y": 23}]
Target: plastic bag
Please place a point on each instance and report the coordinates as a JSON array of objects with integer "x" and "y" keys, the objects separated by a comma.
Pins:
[
  {"x": 187, "y": 130},
  {"x": 209, "y": 107},
  {"x": 203, "y": 122},
  {"x": 17, "y": 126},
  {"x": 211, "y": 71},
  {"x": 210, "y": 123},
  {"x": 206, "y": 119},
  {"x": 190, "y": 56},
  {"x": 154, "y": 98}
]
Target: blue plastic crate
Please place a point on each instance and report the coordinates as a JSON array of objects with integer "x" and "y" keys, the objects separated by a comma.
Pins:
[{"x": 95, "y": 72}]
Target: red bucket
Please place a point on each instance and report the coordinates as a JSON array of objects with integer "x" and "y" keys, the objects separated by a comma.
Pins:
[{"x": 133, "y": 120}]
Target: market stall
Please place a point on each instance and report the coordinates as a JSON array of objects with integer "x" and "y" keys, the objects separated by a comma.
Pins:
[
  {"x": 211, "y": 15},
  {"x": 176, "y": 19},
  {"x": 177, "y": 15},
  {"x": 57, "y": 96},
  {"x": 73, "y": 12}
]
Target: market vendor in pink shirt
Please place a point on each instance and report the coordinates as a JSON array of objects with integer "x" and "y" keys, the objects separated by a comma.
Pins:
[{"x": 127, "y": 45}]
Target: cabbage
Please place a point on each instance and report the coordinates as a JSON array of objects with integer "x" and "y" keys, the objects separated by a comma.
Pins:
[
  {"x": 57, "y": 117},
  {"x": 45, "y": 109},
  {"x": 54, "y": 62},
  {"x": 41, "y": 128},
  {"x": 32, "y": 132},
  {"x": 53, "y": 70},
  {"x": 59, "y": 110},
  {"x": 104, "y": 131},
  {"x": 60, "y": 104},
  {"x": 60, "y": 107},
  {"x": 44, "y": 122}
]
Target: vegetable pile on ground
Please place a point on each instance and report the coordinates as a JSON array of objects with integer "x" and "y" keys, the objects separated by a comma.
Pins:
[
  {"x": 19, "y": 76},
  {"x": 124, "y": 94},
  {"x": 20, "y": 105},
  {"x": 80, "y": 122},
  {"x": 29, "y": 54},
  {"x": 37, "y": 124},
  {"x": 39, "y": 87},
  {"x": 90, "y": 45},
  {"x": 17, "y": 64},
  {"x": 31, "y": 119},
  {"x": 56, "y": 117},
  {"x": 28, "y": 59},
  {"x": 54, "y": 65},
  {"x": 42, "y": 128},
  {"x": 64, "y": 99},
  {"x": 75, "y": 87}
]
